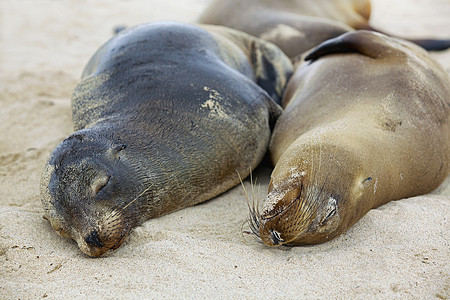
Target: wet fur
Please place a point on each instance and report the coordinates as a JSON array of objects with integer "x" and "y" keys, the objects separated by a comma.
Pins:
[{"x": 157, "y": 106}]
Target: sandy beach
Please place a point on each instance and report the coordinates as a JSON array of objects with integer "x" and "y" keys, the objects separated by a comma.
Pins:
[{"x": 398, "y": 251}]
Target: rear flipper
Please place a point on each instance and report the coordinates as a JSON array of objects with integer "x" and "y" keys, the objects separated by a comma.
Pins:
[
  {"x": 427, "y": 44},
  {"x": 431, "y": 44},
  {"x": 365, "y": 42}
]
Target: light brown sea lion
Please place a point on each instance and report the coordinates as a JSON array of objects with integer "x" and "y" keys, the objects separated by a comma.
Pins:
[
  {"x": 298, "y": 25},
  {"x": 366, "y": 121},
  {"x": 166, "y": 116}
]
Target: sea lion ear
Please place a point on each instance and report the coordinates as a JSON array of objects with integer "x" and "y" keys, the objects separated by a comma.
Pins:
[
  {"x": 116, "y": 149},
  {"x": 368, "y": 43},
  {"x": 76, "y": 136}
]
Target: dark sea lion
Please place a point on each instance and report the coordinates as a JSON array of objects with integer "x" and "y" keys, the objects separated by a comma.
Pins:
[
  {"x": 298, "y": 25},
  {"x": 166, "y": 116},
  {"x": 366, "y": 121}
]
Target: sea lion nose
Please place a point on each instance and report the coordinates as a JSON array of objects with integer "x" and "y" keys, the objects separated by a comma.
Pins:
[
  {"x": 93, "y": 239},
  {"x": 275, "y": 236}
]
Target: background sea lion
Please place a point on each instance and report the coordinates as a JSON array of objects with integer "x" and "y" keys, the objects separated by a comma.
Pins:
[
  {"x": 366, "y": 121},
  {"x": 166, "y": 116},
  {"x": 298, "y": 25}
]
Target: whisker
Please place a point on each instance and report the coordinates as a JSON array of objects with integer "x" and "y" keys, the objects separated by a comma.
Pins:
[
  {"x": 253, "y": 220},
  {"x": 119, "y": 209}
]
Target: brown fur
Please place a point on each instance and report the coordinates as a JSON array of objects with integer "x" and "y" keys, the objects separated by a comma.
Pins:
[
  {"x": 294, "y": 26},
  {"x": 366, "y": 121},
  {"x": 298, "y": 25}
]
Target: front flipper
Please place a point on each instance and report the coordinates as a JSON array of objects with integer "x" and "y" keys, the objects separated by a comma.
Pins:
[{"x": 271, "y": 67}]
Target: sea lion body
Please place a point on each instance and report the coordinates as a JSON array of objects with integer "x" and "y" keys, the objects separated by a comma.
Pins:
[
  {"x": 365, "y": 122},
  {"x": 166, "y": 116},
  {"x": 294, "y": 26},
  {"x": 298, "y": 25}
]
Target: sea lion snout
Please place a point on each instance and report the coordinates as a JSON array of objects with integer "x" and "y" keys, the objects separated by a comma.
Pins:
[
  {"x": 301, "y": 222},
  {"x": 93, "y": 239},
  {"x": 109, "y": 235},
  {"x": 297, "y": 210},
  {"x": 99, "y": 230},
  {"x": 275, "y": 237}
]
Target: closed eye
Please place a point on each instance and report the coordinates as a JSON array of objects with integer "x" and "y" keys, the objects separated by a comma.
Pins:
[{"x": 99, "y": 183}]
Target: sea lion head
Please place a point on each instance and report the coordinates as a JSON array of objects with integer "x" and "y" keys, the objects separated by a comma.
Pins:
[
  {"x": 312, "y": 194},
  {"x": 83, "y": 189},
  {"x": 298, "y": 211}
]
